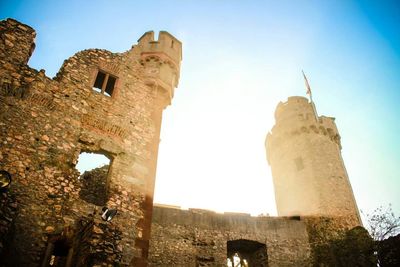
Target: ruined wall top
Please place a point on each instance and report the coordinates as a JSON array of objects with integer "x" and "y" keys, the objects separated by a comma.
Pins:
[
  {"x": 161, "y": 59},
  {"x": 19, "y": 41}
]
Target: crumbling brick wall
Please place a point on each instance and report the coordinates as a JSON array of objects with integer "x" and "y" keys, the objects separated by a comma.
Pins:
[{"x": 46, "y": 123}]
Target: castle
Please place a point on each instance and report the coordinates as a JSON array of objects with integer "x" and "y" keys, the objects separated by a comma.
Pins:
[{"x": 112, "y": 104}]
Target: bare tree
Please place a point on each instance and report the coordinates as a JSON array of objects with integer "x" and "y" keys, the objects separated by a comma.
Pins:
[{"x": 382, "y": 223}]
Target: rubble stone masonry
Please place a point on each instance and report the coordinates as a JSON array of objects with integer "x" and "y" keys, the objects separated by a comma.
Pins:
[
  {"x": 199, "y": 238},
  {"x": 44, "y": 126}
]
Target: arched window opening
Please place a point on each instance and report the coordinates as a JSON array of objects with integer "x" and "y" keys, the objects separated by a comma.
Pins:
[
  {"x": 94, "y": 170},
  {"x": 246, "y": 253}
]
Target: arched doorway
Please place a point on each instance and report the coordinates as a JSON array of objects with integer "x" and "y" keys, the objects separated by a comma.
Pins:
[{"x": 246, "y": 253}]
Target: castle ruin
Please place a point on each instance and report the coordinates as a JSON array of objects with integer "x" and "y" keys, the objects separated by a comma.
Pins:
[
  {"x": 99, "y": 102},
  {"x": 111, "y": 104}
]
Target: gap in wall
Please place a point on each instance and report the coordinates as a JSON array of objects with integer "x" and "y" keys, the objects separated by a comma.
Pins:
[
  {"x": 94, "y": 171},
  {"x": 89, "y": 161}
]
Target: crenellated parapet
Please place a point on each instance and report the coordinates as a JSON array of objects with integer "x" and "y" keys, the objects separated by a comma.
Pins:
[
  {"x": 297, "y": 117},
  {"x": 161, "y": 59}
]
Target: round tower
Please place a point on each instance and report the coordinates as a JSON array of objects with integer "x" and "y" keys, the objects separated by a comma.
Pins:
[{"x": 304, "y": 153}]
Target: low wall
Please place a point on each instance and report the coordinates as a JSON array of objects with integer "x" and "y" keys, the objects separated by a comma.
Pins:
[{"x": 199, "y": 237}]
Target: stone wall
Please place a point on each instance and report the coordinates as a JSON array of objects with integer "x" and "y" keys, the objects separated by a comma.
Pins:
[
  {"x": 199, "y": 237},
  {"x": 326, "y": 232},
  {"x": 46, "y": 123},
  {"x": 94, "y": 186}
]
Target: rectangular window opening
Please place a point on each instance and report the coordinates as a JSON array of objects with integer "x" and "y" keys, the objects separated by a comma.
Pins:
[
  {"x": 105, "y": 83},
  {"x": 101, "y": 76},
  {"x": 110, "y": 85}
]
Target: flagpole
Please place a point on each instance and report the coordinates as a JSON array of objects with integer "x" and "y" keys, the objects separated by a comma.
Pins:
[
  {"x": 314, "y": 109},
  {"x": 311, "y": 100}
]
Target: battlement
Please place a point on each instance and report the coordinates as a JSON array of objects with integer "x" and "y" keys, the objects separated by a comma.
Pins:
[
  {"x": 294, "y": 106},
  {"x": 298, "y": 115},
  {"x": 161, "y": 60},
  {"x": 299, "y": 108},
  {"x": 167, "y": 46}
]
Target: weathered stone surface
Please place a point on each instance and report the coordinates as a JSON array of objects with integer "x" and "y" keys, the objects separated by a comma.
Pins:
[
  {"x": 94, "y": 186},
  {"x": 46, "y": 123},
  {"x": 199, "y": 238}
]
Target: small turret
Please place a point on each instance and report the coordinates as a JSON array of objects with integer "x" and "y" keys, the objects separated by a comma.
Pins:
[{"x": 161, "y": 60}]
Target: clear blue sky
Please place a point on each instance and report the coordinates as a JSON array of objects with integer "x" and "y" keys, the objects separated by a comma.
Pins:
[{"x": 240, "y": 59}]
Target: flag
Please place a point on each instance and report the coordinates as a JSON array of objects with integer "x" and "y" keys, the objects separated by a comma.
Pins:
[{"x": 307, "y": 84}]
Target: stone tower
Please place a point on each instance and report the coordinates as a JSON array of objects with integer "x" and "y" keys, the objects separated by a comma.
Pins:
[
  {"x": 99, "y": 102},
  {"x": 304, "y": 152}
]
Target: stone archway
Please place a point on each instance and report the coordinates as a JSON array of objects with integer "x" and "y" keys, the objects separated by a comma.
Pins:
[{"x": 243, "y": 253}]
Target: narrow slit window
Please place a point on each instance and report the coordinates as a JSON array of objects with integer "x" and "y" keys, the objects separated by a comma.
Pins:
[
  {"x": 105, "y": 83},
  {"x": 299, "y": 163}
]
